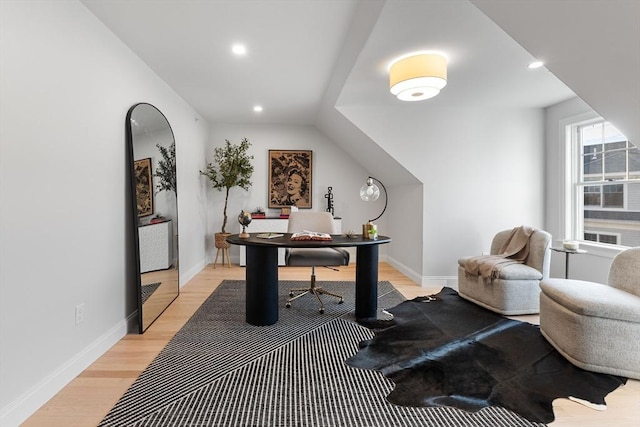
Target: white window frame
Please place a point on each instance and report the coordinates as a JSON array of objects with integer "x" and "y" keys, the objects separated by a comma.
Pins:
[{"x": 572, "y": 198}]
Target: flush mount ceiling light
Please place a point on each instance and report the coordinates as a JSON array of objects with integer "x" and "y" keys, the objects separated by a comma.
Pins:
[
  {"x": 536, "y": 64},
  {"x": 419, "y": 76}
]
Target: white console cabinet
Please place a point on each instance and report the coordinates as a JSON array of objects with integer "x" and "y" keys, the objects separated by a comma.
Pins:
[
  {"x": 156, "y": 250},
  {"x": 275, "y": 225}
]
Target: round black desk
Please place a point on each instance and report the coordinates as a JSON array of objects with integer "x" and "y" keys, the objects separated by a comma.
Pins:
[{"x": 262, "y": 272}]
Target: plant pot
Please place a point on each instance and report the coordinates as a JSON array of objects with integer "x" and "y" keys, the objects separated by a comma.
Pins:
[{"x": 220, "y": 240}]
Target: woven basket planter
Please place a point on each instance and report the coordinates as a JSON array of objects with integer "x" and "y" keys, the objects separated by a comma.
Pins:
[{"x": 220, "y": 240}]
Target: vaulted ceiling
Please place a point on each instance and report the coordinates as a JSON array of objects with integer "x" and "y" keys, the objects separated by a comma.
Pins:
[{"x": 304, "y": 56}]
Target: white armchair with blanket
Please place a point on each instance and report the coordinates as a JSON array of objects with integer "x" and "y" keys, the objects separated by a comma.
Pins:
[{"x": 508, "y": 280}]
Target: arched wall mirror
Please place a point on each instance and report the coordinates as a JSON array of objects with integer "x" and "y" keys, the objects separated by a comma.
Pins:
[{"x": 152, "y": 165}]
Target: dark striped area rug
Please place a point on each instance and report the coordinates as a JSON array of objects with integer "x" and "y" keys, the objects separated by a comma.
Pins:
[
  {"x": 148, "y": 290},
  {"x": 220, "y": 371}
]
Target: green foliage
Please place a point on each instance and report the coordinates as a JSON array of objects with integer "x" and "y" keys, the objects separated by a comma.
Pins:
[
  {"x": 166, "y": 170},
  {"x": 231, "y": 167}
]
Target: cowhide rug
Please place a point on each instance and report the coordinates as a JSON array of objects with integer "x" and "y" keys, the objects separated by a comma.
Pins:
[{"x": 445, "y": 351}]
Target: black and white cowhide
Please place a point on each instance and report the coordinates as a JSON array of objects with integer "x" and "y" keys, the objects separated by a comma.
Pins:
[{"x": 445, "y": 351}]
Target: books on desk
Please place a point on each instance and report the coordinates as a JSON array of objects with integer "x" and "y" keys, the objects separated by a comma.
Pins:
[
  {"x": 311, "y": 235},
  {"x": 269, "y": 235}
]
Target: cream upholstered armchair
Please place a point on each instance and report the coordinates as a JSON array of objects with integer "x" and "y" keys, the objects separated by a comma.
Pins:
[
  {"x": 593, "y": 325},
  {"x": 516, "y": 288}
]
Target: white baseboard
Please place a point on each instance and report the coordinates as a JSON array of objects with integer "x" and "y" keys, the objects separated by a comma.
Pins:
[
  {"x": 411, "y": 274},
  {"x": 26, "y": 405},
  {"x": 185, "y": 276},
  {"x": 449, "y": 281},
  {"x": 424, "y": 281}
]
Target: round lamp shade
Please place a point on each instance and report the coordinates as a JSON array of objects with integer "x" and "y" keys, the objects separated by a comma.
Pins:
[
  {"x": 369, "y": 192},
  {"x": 418, "y": 77}
]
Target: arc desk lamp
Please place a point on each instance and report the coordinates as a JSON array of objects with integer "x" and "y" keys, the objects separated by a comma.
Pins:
[{"x": 370, "y": 192}]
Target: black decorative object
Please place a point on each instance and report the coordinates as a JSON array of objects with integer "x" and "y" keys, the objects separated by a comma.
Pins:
[
  {"x": 329, "y": 197},
  {"x": 244, "y": 219}
]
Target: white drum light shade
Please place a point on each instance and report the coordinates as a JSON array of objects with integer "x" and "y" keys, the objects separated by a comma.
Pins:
[{"x": 418, "y": 77}]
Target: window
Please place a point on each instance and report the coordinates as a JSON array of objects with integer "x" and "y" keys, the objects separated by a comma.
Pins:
[
  {"x": 606, "y": 185},
  {"x": 601, "y": 238}
]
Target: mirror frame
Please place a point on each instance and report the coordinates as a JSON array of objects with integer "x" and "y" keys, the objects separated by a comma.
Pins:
[{"x": 136, "y": 219}]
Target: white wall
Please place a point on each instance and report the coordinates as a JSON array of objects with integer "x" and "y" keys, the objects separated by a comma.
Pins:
[
  {"x": 332, "y": 167},
  {"x": 482, "y": 171},
  {"x": 405, "y": 226},
  {"x": 593, "y": 266},
  {"x": 66, "y": 85}
]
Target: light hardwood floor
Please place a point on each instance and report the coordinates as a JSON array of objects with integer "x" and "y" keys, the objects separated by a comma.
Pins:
[{"x": 87, "y": 399}]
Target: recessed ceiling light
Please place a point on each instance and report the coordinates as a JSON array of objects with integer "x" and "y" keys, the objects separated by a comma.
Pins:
[
  {"x": 257, "y": 108},
  {"x": 239, "y": 49},
  {"x": 536, "y": 64}
]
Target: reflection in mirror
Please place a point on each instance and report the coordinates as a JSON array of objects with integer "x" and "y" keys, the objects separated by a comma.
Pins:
[{"x": 155, "y": 210}]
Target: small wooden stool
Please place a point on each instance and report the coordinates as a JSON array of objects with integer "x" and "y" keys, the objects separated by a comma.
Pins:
[{"x": 222, "y": 245}]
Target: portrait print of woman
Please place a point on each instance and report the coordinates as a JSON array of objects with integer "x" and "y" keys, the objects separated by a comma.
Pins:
[
  {"x": 144, "y": 185},
  {"x": 290, "y": 178}
]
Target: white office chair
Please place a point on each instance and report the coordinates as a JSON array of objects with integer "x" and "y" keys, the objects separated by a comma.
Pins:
[{"x": 321, "y": 222}]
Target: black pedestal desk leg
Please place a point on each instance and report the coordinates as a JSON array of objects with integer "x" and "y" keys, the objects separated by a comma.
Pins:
[
  {"x": 262, "y": 285},
  {"x": 366, "y": 281}
]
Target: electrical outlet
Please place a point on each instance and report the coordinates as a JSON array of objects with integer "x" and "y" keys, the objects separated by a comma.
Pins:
[{"x": 79, "y": 313}]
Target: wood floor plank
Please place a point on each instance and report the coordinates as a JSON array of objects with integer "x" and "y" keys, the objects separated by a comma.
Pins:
[{"x": 88, "y": 398}]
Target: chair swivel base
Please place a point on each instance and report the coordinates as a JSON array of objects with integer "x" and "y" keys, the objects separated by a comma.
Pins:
[{"x": 313, "y": 289}]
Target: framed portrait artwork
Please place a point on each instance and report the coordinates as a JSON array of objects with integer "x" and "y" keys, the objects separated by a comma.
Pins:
[
  {"x": 144, "y": 186},
  {"x": 290, "y": 173}
]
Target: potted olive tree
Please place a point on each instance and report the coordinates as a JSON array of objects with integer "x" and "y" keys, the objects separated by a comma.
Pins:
[
  {"x": 231, "y": 167},
  {"x": 166, "y": 170}
]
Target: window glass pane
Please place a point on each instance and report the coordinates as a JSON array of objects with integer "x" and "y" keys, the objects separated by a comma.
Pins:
[
  {"x": 605, "y": 238},
  {"x": 611, "y": 134},
  {"x": 591, "y": 134},
  {"x": 592, "y": 195},
  {"x": 615, "y": 160},
  {"x": 591, "y": 147},
  {"x": 591, "y": 237},
  {"x": 634, "y": 162},
  {"x": 613, "y": 196},
  {"x": 592, "y": 161}
]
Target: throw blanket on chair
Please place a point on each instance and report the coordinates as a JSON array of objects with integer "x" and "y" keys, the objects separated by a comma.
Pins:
[{"x": 515, "y": 250}]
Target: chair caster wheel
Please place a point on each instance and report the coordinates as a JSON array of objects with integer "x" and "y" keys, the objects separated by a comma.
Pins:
[
  {"x": 288, "y": 305},
  {"x": 341, "y": 301},
  {"x": 322, "y": 311},
  {"x": 290, "y": 294}
]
